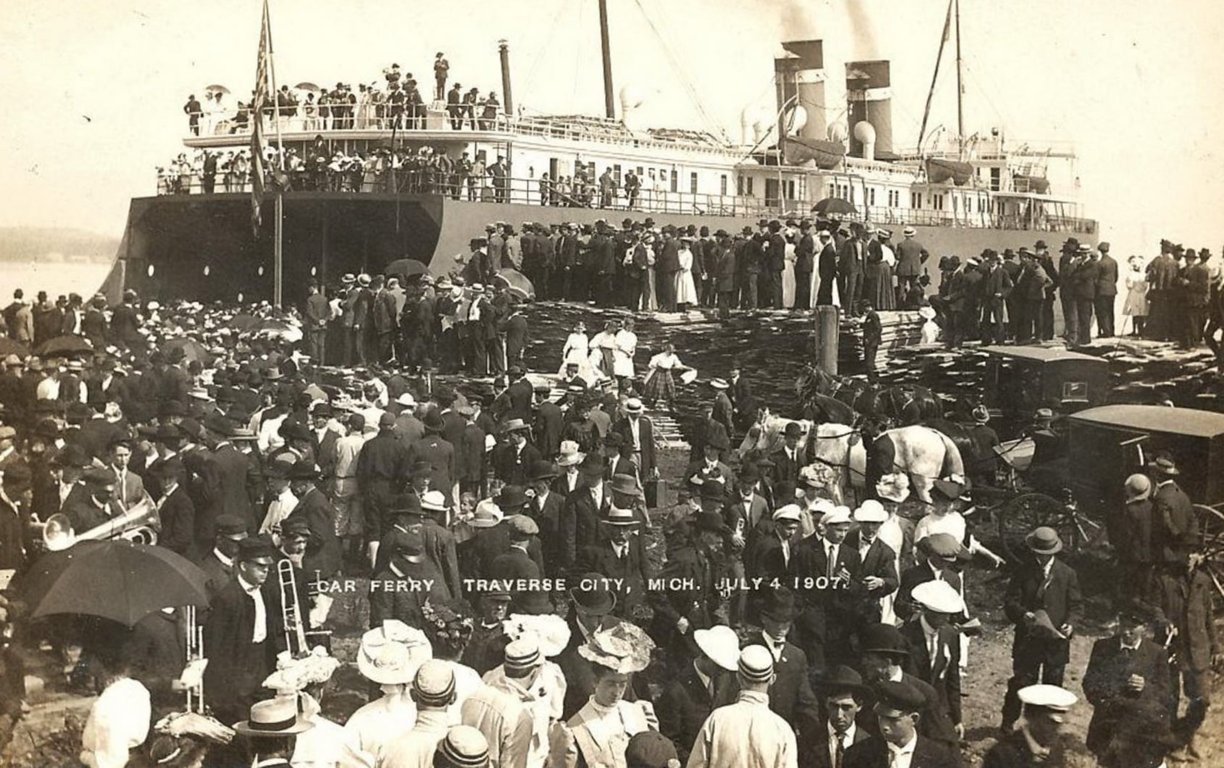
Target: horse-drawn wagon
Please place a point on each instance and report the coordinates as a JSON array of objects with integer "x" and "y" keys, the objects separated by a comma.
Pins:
[
  {"x": 1021, "y": 379},
  {"x": 1078, "y": 492}
]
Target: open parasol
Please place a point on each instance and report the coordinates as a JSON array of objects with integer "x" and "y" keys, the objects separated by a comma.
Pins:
[
  {"x": 517, "y": 283},
  {"x": 405, "y": 269},
  {"x": 64, "y": 345},
  {"x": 192, "y": 349},
  {"x": 307, "y": 86},
  {"x": 114, "y": 579},
  {"x": 216, "y": 88},
  {"x": 835, "y": 206}
]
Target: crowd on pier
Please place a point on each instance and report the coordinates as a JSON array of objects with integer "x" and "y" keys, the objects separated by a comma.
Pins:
[
  {"x": 397, "y": 102},
  {"x": 535, "y": 596}
]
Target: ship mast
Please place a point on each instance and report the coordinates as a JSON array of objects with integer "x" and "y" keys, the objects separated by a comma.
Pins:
[
  {"x": 960, "y": 91},
  {"x": 606, "y": 49},
  {"x": 943, "y": 40}
]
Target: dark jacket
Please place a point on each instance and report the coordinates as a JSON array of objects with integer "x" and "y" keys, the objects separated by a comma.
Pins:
[
  {"x": 549, "y": 421},
  {"x": 580, "y": 523},
  {"x": 944, "y": 678},
  {"x": 646, "y": 461},
  {"x": 177, "y": 515},
  {"x": 1107, "y": 276},
  {"x": 873, "y": 753},
  {"x": 236, "y": 668},
  {"x": 1029, "y": 592},
  {"x": 323, "y": 553},
  {"x": 684, "y": 706},
  {"x": 1124, "y": 722},
  {"x": 1187, "y": 602},
  {"x": 1174, "y": 523}
]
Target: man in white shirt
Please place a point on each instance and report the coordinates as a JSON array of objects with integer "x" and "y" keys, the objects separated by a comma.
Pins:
[{"x": 723, "y": 740}]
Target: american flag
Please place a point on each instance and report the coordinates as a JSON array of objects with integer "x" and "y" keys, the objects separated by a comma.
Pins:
[{"x": 258, "y": 103}]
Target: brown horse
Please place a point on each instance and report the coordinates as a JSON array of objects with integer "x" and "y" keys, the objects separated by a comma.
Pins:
[{"x": 897, "y": 405}]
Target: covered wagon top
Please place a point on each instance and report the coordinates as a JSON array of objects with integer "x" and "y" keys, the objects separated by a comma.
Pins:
[
  {"x": 1042, "y": 354},
  {"x": 1155, "y": 418}
]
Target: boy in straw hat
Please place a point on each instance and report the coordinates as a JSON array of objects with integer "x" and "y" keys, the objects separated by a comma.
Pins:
[
  {"x": 1043, "y": 601},
  {"x": 723, "y": 739},
  {"x": 271, "y": 731}
]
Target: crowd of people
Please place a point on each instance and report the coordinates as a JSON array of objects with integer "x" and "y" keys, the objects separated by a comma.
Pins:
[
  {"x": 518, "y": 613},
  {"x": 399, "y": 103}
]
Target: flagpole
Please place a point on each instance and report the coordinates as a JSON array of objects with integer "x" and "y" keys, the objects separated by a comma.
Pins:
[{"x": 278, "y": 264}]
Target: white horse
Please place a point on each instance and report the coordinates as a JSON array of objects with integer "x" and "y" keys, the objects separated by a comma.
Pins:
[{"x": 922, "y": 453}]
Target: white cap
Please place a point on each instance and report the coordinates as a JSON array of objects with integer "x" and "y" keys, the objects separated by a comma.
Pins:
[
  {"x": 870, "y": 511},
  {"x": 939, "y": 596},
  {"x": 840, "y": 514},
  {"x": 788, "y": 512},
  {"x": 406, "y": 400},
  {"x": 1047, "y": 696}
]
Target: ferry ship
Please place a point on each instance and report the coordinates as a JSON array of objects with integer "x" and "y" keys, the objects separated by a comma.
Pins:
[{"x": 961, "y": 194}]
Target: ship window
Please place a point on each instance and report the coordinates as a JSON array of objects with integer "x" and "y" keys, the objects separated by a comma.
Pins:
[
  {"x": 722, "y": 184},
  {"x": 616, "y": 173},
  {"x": 639, "y": 171},
  {"x": 790, "y": 188},
  {"x": 675, "y": 180},
  {"x": 739, "y": 185},
  {"x": 693, "y": 183},
  {"x": 748, "y": 186},
  {"x": 871, "y": 196},
  {"x": 915, "y": 200},
  {"x": 994, "y": 179}
]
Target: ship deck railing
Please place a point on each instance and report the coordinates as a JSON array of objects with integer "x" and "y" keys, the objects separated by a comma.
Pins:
[{"x": 653, "y": 202}]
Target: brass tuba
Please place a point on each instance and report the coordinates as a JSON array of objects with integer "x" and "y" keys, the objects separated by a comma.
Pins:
[{"x": 138, "y": 525}]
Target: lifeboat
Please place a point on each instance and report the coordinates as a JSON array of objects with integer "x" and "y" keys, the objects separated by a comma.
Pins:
[{"x": 940, "y": 170}]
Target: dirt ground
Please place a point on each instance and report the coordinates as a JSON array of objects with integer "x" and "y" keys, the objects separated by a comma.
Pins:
[{"x": 49, "y": 736}]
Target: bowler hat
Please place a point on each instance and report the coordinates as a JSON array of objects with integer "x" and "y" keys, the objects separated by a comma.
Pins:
[
  {"x": 842, "y": 679},
  {"x": 1044, "y": 541},
  {"x": 882, "y": 638},
  {"x": 779, "y": 605},
  {"x": 592, "y": 595}
]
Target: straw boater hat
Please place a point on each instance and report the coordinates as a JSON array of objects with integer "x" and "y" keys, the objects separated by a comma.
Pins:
[
  {"x": 623, "y": 648},
  {"x": 273, "y": 718},
  {"x": 870, "y": 511},
  {"x": 548, "y": 634},
  {"x": 755, "y": 664},
  {"x": 462, "y": 747},
  {"x": 619, "y": 517},
  {"x": 1048, "y": 697},
  {"x": 939, "y": 596}
]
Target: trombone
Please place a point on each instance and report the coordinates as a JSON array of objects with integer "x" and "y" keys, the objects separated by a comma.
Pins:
[
  {"x": 195, "y": 652},
  {"x": 291, "y": 609}
]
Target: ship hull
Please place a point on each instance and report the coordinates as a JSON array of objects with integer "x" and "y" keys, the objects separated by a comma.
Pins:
[{"x": 203, "y": 247}]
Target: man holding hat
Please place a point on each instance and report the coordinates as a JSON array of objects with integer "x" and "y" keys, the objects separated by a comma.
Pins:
[
  {"x": 842, "y": 691},
  {"x": 1043, "y": 601},
  {"x": 722, "y": 741},
  {"x": 898, "y": 710},
  {"x": 1039, "y": 741},
  {"x": 689, "y": 698},
  {"x": 237, "y": 634},
  {"x": 1127, "y": 683}
]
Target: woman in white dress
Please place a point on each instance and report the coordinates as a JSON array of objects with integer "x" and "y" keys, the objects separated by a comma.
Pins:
[
  {"x": 603, "y": 727},
  {"x": 1136, "y": 305},
  {"x": 626, "y": 347},
  {"x": 660, "y": 384},
  {"x": 603, "y": 351},
  {"x": 686, "y": 289},
  {"x": 788, "y": 272},
  {"x": 577, "y": 352}
]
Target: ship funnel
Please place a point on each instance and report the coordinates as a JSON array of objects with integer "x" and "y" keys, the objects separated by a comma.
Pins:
[
  {"x": 870, "y": 100},
  {"x": 800, "y": 84}
]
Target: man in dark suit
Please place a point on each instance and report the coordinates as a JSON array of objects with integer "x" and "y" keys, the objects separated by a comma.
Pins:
[
  {"x": 805, "y": 263},
  {"x": 749, "y": 255},
  {"x": 439, "y": 453},
  {"x": 545, "y": 509},
  {"x": 96, "y": 505},
  {"x": 841, "y": 692},
  {"x": 1106, "y": 291},
  {"x": 218, "y": 563},
  {"x": 322, "y": 559},
  {"x": 775, "y": 263},
  {"x": 878, "y": 568},
  {"x": 883, "y": 653},
  {"x": 238, "y": 633},
  {"x": 1084, "y": 278},
  {"x": 833, "y": 568},
  {"x": 693, "y": 569},
  {"x": 1174, "y": 522},
  {"x": 516, "y": 454},
  {"x": 826, "y": 269},
  {"x": 582, "y": 512},
  {"x": 693, "y": 693},
  {"x": 232, "y": 473},
  {"x": 667, "y": 264},
  {"x": 935, "y": 647},
  {"x": 1043, "y": 601},
  {"x": 470, "y": 459},
  {"x": 850, "y": 267},
  {"x": 175, "y": 510},
  {"x": 941, "y": 553},
  {"x": 520, "y": 394},
  {"x": 787, "y": 461},
  {"x": 1127, "y": 683},
  {"x": 898, "y": 710},
  {"x": 620, "y": 556},
  {"x": 637, "y": 432},
  {"x": 1040, "y": 740},
  {"x": 548, "y": 423},
  {"x": 515, "y": 562}
]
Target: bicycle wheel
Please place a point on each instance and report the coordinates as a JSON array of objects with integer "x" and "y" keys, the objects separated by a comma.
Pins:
[{"x": 1018, "y": 517}]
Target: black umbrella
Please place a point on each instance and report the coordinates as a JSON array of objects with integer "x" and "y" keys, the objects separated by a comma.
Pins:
[
  {"x": 12, "y": 347},
  {"x": 114, "y": 579},
  {"x": 834, "y": 206},
  {"x": 405, "y": 269},
  {"x": 64, "y": 345}
]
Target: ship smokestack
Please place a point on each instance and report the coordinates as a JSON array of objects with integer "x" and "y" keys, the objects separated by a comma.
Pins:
[
  {"x": 503, "y": 50},
  {"x": 801, "y": 76},
  {"x": 870, "y": 100}
]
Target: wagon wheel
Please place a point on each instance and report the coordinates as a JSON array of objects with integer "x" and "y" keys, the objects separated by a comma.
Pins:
[
  {"x": 1211, "y": 533},
  {"x": 1016, "y": 518}
]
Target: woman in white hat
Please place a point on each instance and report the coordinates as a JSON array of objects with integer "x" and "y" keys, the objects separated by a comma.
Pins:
[
  {"x": 389, "y": 657},
  {"x": 603, "y": 727}
]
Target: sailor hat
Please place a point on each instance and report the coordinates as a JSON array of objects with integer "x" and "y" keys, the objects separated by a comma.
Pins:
[
  {"x": 1049, "y": 697},
  {"x": 939, "y": 596}
]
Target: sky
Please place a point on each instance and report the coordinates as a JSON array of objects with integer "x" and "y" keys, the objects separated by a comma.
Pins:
[{"x": 94, "y": 89}]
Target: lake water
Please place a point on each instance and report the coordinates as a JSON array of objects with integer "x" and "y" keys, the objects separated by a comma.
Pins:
[{"x": 56, "y": 278}]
